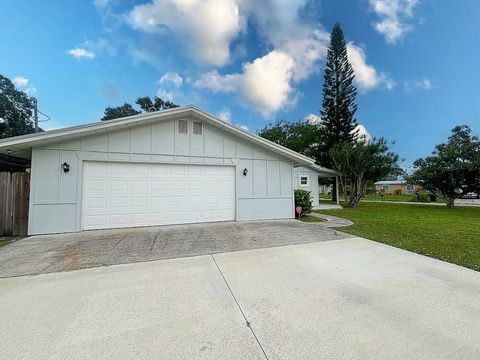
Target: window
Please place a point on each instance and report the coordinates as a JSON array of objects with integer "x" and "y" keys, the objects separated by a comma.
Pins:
[
  {"x": 197, "y": 127},
  {"x": 386, "y": 187},
  {"x": 410, "y": 187},
  {"x": 303, "y": 180},
  {"x": 183, "y": 126}
]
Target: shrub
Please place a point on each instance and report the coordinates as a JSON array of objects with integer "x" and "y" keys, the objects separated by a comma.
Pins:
[
  {"x": 303, "y": 199},
  {"x": 397, "y": 192}
]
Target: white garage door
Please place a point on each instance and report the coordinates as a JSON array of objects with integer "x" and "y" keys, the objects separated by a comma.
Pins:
[{"x": 127, "y": 195}]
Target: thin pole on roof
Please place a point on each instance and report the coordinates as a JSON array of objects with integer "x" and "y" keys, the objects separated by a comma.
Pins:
[{"x": 35, "y": 113}]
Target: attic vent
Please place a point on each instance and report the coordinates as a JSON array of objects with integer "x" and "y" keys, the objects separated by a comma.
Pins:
[
  {"x": 183, "y": 126},
  {"x": 197, "y": 127}
]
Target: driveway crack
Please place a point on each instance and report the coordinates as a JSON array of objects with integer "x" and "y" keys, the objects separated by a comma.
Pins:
[{"x": 247, "y": 322}]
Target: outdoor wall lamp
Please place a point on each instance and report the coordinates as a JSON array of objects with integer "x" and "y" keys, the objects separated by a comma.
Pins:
[
  {"x": 65, "y": 167},
  {"x": 245, "y": 172}
]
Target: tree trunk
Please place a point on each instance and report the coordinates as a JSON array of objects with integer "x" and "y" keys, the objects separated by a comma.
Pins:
[
  {"x": 355, "y": 200},
  {"x": 334, "y": 189},
  {"x": 450, "y": 201}
]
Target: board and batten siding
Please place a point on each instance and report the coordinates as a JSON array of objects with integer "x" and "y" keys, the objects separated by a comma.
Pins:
[
  {"x": 56, "y": 197},
  {"x": 312, "y": 182}
]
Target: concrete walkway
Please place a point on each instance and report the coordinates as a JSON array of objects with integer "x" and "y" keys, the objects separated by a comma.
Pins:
[
  {"x": 332, "y": 221},
  {"x": 344, "y": 299}
]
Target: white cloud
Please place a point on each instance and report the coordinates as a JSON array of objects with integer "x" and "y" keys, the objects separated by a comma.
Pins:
[
  {"x": 20, "y": 81},
  {"x": 264, "y": 83},
  {"x": 165, "y": 95},
  {"x": 31, "y": 90},
  {"x": 219, "y": 83},
  {"x": 366, "y": 76},
  {"x": 171, "y": 77},
  {"x": 417, "y": 84},
  {"x": 313, "y": 119},
  {"x": 23, "y": 84},
  {"x": 225, "y": 114},
  {"x": 281, "y": 27},
  {"x": 295, "y": 48},
  {"x": 100, "y": 45},
  {"x": 80, "y": 53},
  {"x": 363, "y": 134},
  {"x": 268, "y": 83},
  {"x": 394, "y": 17},
  {"x": 101, "y": 3},
  {"x": 208, "y": 26}
]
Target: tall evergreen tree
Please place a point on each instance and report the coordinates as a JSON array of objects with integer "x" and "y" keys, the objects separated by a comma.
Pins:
[{"x": 339, "y": 92}]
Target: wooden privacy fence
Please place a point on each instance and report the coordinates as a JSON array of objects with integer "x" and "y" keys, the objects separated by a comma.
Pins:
[{"x": 14, "y": 194}]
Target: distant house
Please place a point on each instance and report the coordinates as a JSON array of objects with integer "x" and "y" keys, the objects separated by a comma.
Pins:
[{"x": 395, "y": 187}]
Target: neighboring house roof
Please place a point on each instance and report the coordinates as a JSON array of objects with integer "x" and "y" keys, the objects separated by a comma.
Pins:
[
  {"x": 18, "y": 144},
  {"x": 391, "y": 182}
]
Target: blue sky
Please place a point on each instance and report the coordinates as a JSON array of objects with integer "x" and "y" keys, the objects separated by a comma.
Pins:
[{"x": 416, "y": 61}]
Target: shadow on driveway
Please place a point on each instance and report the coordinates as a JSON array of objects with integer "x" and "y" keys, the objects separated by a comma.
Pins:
[{"x": 63, "y": 252}]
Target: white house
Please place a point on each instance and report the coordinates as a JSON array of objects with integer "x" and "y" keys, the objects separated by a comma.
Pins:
[
  {"x": 306, "y": 178},
  {"x": 176, "y": 166}
]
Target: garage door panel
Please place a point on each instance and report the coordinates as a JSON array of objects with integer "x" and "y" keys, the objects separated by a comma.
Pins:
[
  {"x": 118, "y": 202},
  {"x": 159, "y": 184},
  {"x": 118, "y": 220},
  {"x": 96, "y": 220},
  {"x": 176, "y": 170},
  {"x": 138, "y": 219},
  {"x": 119, "y": 185},
  {"x": 158, "y": 218},
  {"x": 126, "y": 194}
]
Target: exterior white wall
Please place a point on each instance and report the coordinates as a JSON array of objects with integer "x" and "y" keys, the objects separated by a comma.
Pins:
[
  {"x": 312, "y": 182},
  {"x": 56, "y": 197}
]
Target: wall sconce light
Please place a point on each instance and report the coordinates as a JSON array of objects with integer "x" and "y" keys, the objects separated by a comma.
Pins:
[
  {"x": 245, "y": 172},
  {"x": 65, "y": 167}
]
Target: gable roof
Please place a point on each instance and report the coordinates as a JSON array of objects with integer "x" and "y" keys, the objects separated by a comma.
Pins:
[
  {"x": 19, "y": 144},
  {"x": 323, "y": 170}
]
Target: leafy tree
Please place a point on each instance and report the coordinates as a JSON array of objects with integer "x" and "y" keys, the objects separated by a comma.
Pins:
[
  {"x": 157, "y": 104},
  {"x": 15, "y": 110},
  {"x": 300, "y": 136},
  {"x": 339, "y": 92},
  {"x": 119, "y": 112},
  {"x": 453, "y": 168},
  {"x": 361, "y": 163},
  {"x": 146, "y": 104}
]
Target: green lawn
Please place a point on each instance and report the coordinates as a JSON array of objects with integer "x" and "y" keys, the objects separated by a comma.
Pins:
[
  {"x": 311, "y": 219},
  {"x": 375, "y": 197},
  {"x": 451, "y": 235},
  {"x": 6, "y": 240},
  {"x": 389, "y": 197}
]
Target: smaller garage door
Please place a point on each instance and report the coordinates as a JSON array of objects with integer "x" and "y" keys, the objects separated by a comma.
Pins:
[{"x": 131, "y": 194}]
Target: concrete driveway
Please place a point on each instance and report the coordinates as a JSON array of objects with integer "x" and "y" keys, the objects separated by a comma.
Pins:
[
  {"x": 344, "y": 299},
  {"x": 53, "y": 253}
]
